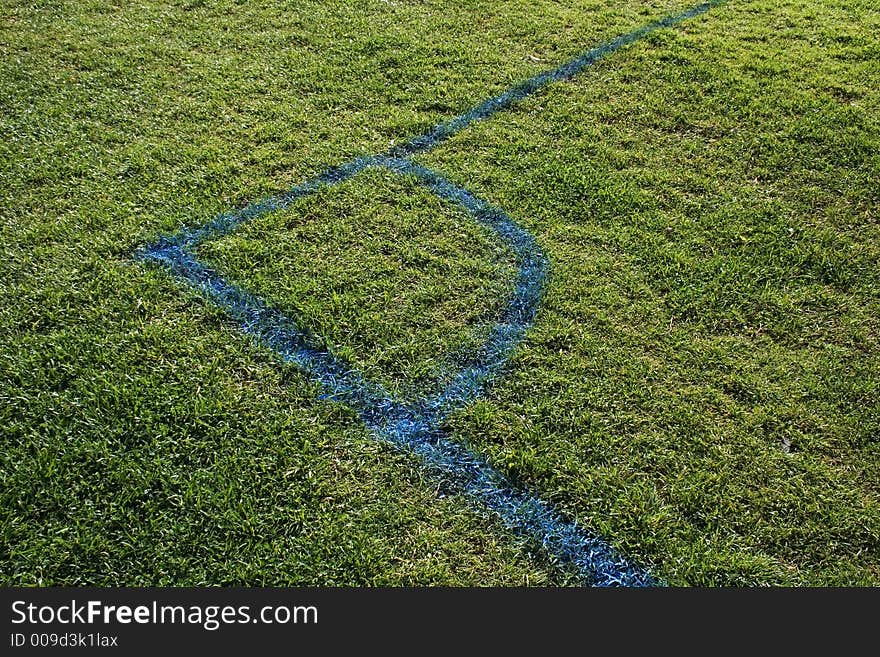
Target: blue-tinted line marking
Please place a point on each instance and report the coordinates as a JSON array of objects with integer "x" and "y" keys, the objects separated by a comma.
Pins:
[
  {"x": 418, "y": 426},
  {"x": 510, "y": 97}
]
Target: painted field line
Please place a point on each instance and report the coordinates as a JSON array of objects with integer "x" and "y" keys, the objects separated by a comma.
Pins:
[
  {"x": 229, "y": 221},
  {"x": 510, "y": 97},
  {"x": 418, "y": 426}
]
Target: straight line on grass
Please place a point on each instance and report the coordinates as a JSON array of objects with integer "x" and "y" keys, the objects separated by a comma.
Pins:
[{"x": 417, "y": 427}]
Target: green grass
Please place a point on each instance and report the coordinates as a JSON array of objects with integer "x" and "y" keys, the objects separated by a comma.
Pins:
[
  {"x": 702, "y": 384},
  {"x": 703, "y": 379},
  {"x": 395, "y": 280}
]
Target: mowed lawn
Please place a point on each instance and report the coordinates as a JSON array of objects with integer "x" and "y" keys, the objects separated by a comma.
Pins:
[{"x": 701, "y": 387}]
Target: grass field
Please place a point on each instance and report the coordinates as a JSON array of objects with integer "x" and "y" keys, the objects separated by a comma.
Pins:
[{"x": 701, "y": 387}]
